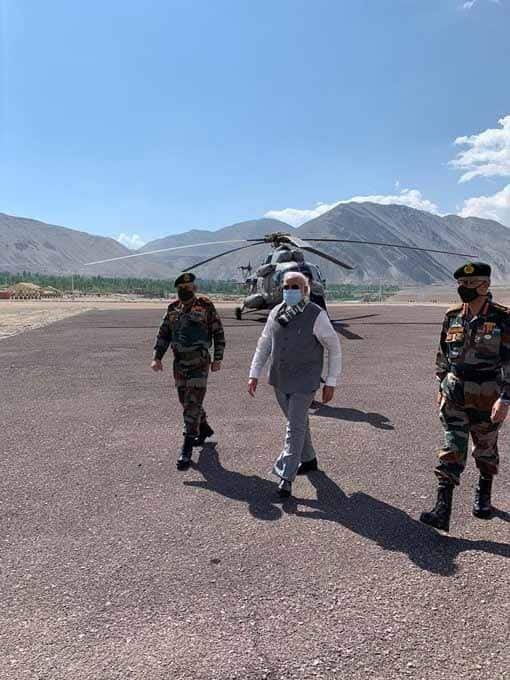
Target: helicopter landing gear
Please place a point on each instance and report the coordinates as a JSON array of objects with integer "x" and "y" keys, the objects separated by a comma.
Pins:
[{"x": 239, "y": 313}]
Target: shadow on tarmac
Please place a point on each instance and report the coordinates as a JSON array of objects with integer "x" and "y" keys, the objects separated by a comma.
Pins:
[
  {"x": 391, "y": 528},
  {"x": 354, "y": 415}
]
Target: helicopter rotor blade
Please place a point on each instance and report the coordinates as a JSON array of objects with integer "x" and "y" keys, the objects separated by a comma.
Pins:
[
  {"x": 227, "y": 252},
  {"x": 299, "y": 243},
  {"x": 386, "y": 245},
  {"x": 165, "y": 250},
  {"x": 326, "y": 256}
]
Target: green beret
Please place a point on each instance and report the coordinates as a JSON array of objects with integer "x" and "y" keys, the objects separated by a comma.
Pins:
[
  {"x": 472, "y": 269},
  {"x": 186, "y": 277}
]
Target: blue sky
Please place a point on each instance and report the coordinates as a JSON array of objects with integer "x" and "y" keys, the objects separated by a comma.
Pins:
[{"x": 155, "y": 117}]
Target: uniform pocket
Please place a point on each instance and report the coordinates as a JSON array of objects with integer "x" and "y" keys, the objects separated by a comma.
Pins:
[
  {"x": 453, "y": 388},
  {"x": 454, "y": 348},
  {"x": 487, "y": 346}
]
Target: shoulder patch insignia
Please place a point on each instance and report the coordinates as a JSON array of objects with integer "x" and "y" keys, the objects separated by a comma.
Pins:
[{"x": 500, "y": 308}]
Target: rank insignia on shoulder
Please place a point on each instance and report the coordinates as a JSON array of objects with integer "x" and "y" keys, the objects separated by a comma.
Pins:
[
  {"x": 500, "y": 308},
  {"x": 454, "y": 308}
]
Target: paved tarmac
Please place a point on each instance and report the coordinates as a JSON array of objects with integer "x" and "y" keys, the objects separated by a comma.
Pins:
[{"x": 116, "y": 565}]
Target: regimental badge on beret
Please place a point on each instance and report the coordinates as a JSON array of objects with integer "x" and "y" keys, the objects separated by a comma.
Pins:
[
  {"x": 187, "y": 277},
  {"x": 473, "y": 269}
]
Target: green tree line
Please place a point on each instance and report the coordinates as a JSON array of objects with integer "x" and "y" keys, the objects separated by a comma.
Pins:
[
  {"x": 104, "y": 284},
  {"x": 165, "y": 287}
]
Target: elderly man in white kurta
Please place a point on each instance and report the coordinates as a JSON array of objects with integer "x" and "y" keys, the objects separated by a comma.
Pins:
[{"x": 294, "y": 339}]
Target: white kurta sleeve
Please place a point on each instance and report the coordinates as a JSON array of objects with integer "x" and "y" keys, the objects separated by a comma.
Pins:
[
  {"x": 328, "y": 337},
  {"x": 264, "y": 348}
]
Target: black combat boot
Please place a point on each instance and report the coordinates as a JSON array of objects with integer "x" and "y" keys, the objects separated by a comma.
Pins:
[
  {"x": 204, "y": 432},
  {"x": 307, "y": 466},
  {"x": 184, "y": 460},
  {"x": 284, "y": 488},
  {"x": 439, "y": 516},
  {"x": 482, "y": 507}
]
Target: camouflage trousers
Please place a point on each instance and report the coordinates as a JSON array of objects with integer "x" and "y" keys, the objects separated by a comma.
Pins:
[
  {"x": 458, "y": 423},
  {"x": 191, "y": 381}
]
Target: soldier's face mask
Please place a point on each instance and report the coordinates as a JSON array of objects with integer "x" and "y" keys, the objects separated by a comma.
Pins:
[
  {"x": 469, "y": 289},
  {"x": 185, "y": 294}
]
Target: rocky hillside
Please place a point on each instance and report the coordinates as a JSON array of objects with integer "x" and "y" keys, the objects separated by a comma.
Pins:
[
  {"x": 398, "y": 224},
  {"x": 39, "y": 247},
  {"x": 47, "y": 249},
  {"x": 225, "y": 267}
]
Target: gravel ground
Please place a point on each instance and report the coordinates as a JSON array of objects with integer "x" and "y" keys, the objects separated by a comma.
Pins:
[
  {"x": 114, "y": 565},
  {"x": 16, "y": 318}
]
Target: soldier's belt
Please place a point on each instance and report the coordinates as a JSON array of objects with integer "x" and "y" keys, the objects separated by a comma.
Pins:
[
  {"x": 471, "y": 374},
  {"x": 192, "y": 354}
]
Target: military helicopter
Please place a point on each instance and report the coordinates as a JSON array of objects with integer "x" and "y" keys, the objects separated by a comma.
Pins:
[{"x": 264, "y": 288}]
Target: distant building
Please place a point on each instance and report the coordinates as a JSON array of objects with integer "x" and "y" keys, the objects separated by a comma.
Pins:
[
  {"x": 51, "y": 292},
  {"x": 31, "y": 291}
]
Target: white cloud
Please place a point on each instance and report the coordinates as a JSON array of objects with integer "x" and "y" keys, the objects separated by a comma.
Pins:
[
  {"x": 132, "y": 241},
  {"x": 488, "y": 154},
  {"x": 496, "y": 207},
  {"x": 410, "y": 197},
  {"x": 469, "y": 4}
]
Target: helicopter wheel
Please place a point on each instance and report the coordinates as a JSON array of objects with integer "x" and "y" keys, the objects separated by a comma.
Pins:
[{"x": 239, "y": 313}]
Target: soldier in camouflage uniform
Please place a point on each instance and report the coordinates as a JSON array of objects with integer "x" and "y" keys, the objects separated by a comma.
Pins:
[
  {"x": 473, "y": 370},
  {"x": 190, "y": 326}
]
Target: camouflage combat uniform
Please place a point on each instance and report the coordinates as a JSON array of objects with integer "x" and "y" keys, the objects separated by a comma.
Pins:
[
  {"x": 190, "y": 330},
  {"x": 473, "y": 365}
]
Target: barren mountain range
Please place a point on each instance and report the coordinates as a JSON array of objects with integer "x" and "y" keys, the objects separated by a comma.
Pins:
[{"x": 38, "y": 247}]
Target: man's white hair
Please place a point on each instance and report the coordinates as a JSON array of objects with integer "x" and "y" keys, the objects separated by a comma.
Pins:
[{"x": 299, "y": 277}]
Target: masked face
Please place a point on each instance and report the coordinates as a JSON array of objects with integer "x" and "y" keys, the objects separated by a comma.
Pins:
[
  {"x": 185, "y": 294},
  {"x": 469, "y": 290},
  {"x": 292, "y": 296},
  {"x": 467, "y": 294}
]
